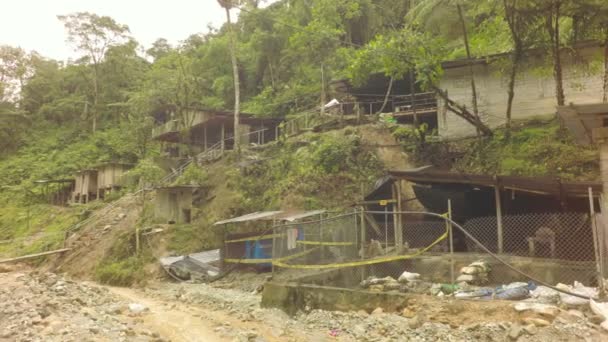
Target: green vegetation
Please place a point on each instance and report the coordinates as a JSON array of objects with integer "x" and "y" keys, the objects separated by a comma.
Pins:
[
  {"x": 537, "y": 149},
  {"x": 317, "y": 171}
]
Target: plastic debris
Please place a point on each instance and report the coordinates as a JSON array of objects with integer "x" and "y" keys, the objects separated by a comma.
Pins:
[
  {"x": 545, "y": 294},
  {"x": 478, "y": 293},
  {"x": 137, "y": 308},
  {"x": 475, "y": 273},
  {"x": 407, "y": 277},
  {"x": 600, "y": 309},
  {"x": 577, "y": 288},
  {"x": 513, "y": 293}
]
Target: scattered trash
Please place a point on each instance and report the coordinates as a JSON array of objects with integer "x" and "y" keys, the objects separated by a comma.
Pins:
[
  {"x": 334, "y": 332},
  {"x": 477, "y": 293},
  {"x": 600, "y": 309},
  {"x": 577, "y": 288},
  {"x": 137, "y": 308},
  {"x": 474, "y": 274},
  {"x": 545, "y": 295},
  {"x": 407, "y": 277}
]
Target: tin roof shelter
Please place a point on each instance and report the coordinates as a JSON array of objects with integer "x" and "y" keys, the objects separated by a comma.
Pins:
[{"x": 253, "y": 244}]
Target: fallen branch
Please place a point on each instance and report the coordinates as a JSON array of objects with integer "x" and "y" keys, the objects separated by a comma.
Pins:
[
  {"x": 31, "y": 256},
  {"x": 464, "y": 113}
]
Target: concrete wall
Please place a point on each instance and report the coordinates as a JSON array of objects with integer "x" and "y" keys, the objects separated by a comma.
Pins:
[
  {"x": 534, "y": 92},
  {"x": 171, "y": 204}
]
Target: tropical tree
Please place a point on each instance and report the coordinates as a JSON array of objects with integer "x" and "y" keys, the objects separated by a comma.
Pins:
[
  {"x": 227, "y": 5},
  {"x": 93, "y": 35}
]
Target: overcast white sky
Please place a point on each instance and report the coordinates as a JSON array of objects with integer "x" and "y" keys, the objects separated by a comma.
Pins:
[{"x": 33, "y": 24}]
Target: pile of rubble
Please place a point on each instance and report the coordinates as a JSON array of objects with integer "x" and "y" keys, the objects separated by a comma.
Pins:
[{"x": 51, "y": 308}]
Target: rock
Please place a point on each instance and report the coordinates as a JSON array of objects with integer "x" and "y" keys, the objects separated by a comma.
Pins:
[
  {"x": 415, "y": 322},
  {"x": 408, "y": 313},
  {"x": 376, "y": 288},
  {"x": 515, "y": 332},
  {"x": 122, "y": 216},
  {"x": 377, "y": 311},
  {"x": 549, "y": 311},
  {"x": 539, "y": 322},
  {"x": 531, "y": 329},
  {"x": 107, "y": 227},
  {"x": 576, "y": 313},
  {"x": 137, "y": 308}
]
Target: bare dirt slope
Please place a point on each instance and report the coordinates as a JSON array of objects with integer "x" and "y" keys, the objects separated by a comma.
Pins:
[{"x": 91, "y": 242}]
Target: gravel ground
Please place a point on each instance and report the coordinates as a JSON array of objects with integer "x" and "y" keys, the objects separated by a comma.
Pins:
[{"x": 48, "y": 307}]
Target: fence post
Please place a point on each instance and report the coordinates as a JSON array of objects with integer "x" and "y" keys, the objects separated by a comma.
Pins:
[
  {"x": 274, "y": 244},
  {"x": 498, "y": 217},
  {"x": 396, "y": 222},
  {"x": 450, "y": 234},
  {"x": 596, "y": 243},
  {"x": 385, "y": 229}
]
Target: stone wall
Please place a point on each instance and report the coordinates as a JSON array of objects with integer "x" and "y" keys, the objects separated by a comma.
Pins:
[{"x": 534, "y": 88}]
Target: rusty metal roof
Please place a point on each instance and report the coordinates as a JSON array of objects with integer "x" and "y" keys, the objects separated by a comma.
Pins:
[{"x": 539, "y": 185}]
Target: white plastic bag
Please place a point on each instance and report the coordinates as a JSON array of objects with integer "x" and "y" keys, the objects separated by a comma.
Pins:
[{"x": 407, "y": 277}]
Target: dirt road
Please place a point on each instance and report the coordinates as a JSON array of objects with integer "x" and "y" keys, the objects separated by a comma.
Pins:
[{"x": 48, "y": 307}]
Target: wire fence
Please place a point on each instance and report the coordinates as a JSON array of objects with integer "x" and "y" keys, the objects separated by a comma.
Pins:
[{"x": 349, "y": 249}]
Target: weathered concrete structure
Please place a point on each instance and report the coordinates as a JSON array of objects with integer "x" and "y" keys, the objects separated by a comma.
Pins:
[
  {"x": 202, "y": 130},
  {"x": 109, "y": 177},
  {"x": 534, "y": 87},
  {"x": 173, "y": 204},
  {"x": 85, "y": 186}
]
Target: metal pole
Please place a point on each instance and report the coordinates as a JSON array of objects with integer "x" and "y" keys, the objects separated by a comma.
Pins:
[
  {"x": 450, "y": 233},
  {"x": 385, "y": 229},
  {"x": 498, "y": 218},
  {"x": 274, "y": 243},
  {"x": 596, "y": 245}
]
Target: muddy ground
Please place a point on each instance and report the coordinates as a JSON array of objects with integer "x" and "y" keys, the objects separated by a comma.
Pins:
[{"x": 38, "y": 306}]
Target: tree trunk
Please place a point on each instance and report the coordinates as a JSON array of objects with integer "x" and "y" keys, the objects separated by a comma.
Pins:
[
  {"x": 511, "y": 90},
  {"x": 470, "y": 63},
  {"x": 95, "y": 97},
  {"x": 462, "y": 112},
  {"x": 552, "y": 23},
  {"x": 605, "y": 97},
  {"x": 388, "y": 93},
  {"x": 237, "y": 92}
]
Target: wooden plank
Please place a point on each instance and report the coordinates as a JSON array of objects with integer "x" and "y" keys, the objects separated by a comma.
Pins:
[
  {"x": 373, "y": 223},
  {"x": 31, "y": 256}
]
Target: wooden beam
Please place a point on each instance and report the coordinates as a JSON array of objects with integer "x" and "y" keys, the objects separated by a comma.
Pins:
[
  {"x": 31, "y": 256},
  {"x": 373, "y": 223},
  {"x": 498, "y": 218}
]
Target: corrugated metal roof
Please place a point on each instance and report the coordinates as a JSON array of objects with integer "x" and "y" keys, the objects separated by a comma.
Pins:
[
  {"x": 204, "y": 257},
  {"x": 539, "y": 185},
  {"x": 258, "y": 215},
  {"x": 268, "y": 215},
  {"x": 293, "y": 217}
]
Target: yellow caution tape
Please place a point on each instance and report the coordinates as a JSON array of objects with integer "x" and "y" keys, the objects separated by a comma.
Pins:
[
  {"x": 256, "y": 238},
  {"x": 263, "y": 261},
  {"x": 323, "y": 243},
  {"x": 363, "y": 263}
]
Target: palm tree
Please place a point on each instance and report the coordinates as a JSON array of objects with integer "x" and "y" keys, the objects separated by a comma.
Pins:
[
  {"x": 227, "y": 5},
  {"x": 422, "y": 10}
]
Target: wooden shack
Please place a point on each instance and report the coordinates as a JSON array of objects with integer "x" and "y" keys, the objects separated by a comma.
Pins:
[
  {"x": 109, "y": 177},
  {"x": 173, "y": 204},
  {"x": 85, "y": 186}
]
